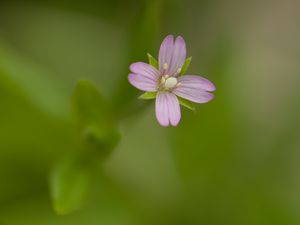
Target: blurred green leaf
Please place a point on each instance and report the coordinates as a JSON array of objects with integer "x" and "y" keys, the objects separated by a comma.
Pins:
[
  {"x": 88, "y": 105},
  {"x": 148, "y": 95},
  {"x": 70, "y": 185},
  {"x": 185, "y": 66},
  {"x": 71, "y": 181},
  {"x": 186, "y": 103},
  {"x": 97, "y": 128},
  {"x": 152, "y": 61},
  {"x": 100, "y": 140}
]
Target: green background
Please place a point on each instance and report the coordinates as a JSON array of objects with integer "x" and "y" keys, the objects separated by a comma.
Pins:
[{"x": 78, "y": 147}]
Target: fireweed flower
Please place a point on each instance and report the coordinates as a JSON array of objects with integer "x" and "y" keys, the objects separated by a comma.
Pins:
[{"x": 164, "y": 81}]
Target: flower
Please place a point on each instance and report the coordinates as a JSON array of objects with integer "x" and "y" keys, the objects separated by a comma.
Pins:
[{"x": 164, "y": 81}]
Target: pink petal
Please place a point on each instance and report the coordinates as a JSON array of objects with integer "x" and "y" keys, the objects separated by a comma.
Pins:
[
  {"x": 192, "y": 94},
  {"x": 167, "y": 109},
  {"x": 145, "y": 70},
  {"x": 142, "y": 82},
  {"x": 196, "y": 82},
  {"x": 166, "y": 52},
  {"x": 179, "y": 55}
]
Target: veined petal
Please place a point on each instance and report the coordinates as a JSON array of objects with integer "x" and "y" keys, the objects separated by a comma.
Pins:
[
  {"x": 192, "y": 94},
  {"x": 167, "y": 109},
  {"x": 145, "y": 70},
  {"x": 161, "y": 109},
  {"x": 174, "y": 109},
  {"x": 165, "y": 53},
  {"x": 142, "y": 82},
  {"x": 196, "y": 82},
  {"x": 179, "y": 55}
]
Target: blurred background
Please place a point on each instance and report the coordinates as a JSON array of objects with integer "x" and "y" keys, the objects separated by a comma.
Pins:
[{"x": 90, "y": 152}]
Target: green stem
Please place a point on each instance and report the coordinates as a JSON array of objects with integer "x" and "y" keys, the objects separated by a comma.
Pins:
[{"x": 142, "y": 40}]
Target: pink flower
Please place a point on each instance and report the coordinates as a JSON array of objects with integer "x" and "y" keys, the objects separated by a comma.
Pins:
[{"x": 164, "y": 81}]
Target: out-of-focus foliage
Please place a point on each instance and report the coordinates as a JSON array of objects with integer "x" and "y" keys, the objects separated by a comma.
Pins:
[
  {"x": 185, "y": 66},
  {"x": 152, "y": 61},
  {"x": 77, "y": 146}
]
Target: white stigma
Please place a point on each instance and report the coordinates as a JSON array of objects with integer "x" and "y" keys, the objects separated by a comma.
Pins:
[{"x": 170, "y": 82}]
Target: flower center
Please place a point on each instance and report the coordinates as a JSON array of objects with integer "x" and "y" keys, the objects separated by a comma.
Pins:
[
  {"x": 167, "y": 83},
  {"x": 170, "y": 82}
]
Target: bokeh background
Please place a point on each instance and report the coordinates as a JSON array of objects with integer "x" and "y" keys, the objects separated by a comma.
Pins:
[{"x": 90, "y": 152}]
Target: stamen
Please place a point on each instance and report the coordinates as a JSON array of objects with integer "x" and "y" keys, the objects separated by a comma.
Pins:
[
  {"x": 165, "y": 66},
  {"x": 179, "y": 70}
]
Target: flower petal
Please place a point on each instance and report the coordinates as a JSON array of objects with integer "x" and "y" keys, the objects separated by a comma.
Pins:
[
  {"x": 161, "y": 109},
  {"x": 196, "y": 82},
  {"x": 167, "y": 109},
  {"x": 142, "y": 82},
  {"x": 145, "y": 70},
  {"x": 193, "y": 94},
  {"x": 166, "y": 52},
  {"x": 179, "y": 55},
  {"x": 174, "y": 109}
]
